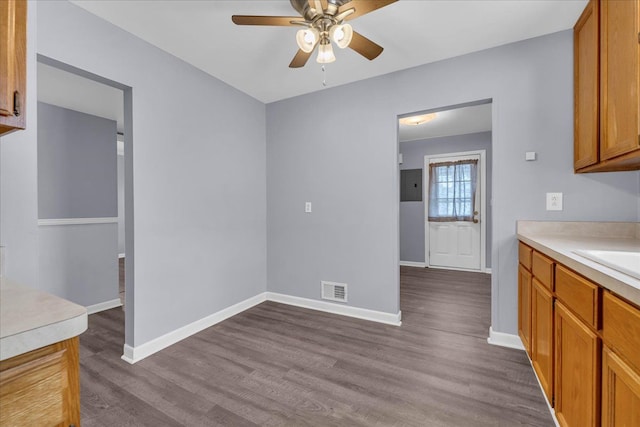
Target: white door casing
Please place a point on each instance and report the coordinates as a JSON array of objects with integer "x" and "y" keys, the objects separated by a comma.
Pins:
[{"x": 458, "y": 245}]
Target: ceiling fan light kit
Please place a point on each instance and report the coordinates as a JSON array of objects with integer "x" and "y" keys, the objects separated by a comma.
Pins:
[
  {"x": 324, "y": 20},
  {"x": 307, "y": 39},
  {"x": 325, "y": 53},
  {"x": 341, "y": 35}
]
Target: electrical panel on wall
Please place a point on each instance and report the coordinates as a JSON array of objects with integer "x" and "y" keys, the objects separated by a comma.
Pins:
[{"x": 411, "y": 185}]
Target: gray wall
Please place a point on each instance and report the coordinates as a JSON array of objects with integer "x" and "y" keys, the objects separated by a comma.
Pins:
[
  {"x": 19, "y": 180},
  {"x": 76, "y": 164},
  {"x": 77, "y": 179},
  {"x": 349, "y": 170},
  {"x": 412, "y": 239},
  {"x": 79, "y": 262},
  {"x": 121, "y": 240},
  {"x": 198, "y": 180}
]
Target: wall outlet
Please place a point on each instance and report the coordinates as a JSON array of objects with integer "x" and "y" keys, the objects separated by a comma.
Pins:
[
  {"x": 554, "y": 201},
  {"x": 307, "y": 207}
]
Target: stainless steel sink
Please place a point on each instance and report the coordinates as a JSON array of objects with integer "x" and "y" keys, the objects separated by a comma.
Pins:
[{"x": 622, "y": 261}]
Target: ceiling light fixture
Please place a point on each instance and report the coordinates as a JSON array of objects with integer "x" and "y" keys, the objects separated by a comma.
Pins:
[
  {"x": 341, "y": 35},
  {"x": 307, "y": 39},
  {"x": 325, "y": 52},
  {"x": 324, "y": 24},
  {"x": 322, "y": 34},
  {"x": 417, "y": 120}
]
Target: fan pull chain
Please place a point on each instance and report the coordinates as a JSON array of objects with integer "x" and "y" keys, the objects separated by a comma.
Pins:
[{"x": 324, "y": 76}]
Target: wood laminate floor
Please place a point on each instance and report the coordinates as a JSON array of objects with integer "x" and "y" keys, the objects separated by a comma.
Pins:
[{"x": 277, "y": 365}]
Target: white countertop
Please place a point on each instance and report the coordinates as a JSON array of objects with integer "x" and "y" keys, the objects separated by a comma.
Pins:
[
  {"x": 559, "y": 240},
  {"x": 30, "y": 319}
]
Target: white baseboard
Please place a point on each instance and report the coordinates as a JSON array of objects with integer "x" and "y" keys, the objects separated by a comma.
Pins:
[
  {"x": 121, "y": 255},
  {"x": 504, "y": 340},
  {"x": 345, "y": 310},
  {"x": 135, "y": 354},
  {"x": 107, "y": 305},
  {"x": 412, "y": 264}
]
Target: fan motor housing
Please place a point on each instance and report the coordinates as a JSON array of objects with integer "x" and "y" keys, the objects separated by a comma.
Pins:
[{"x": 304, "y": 9}]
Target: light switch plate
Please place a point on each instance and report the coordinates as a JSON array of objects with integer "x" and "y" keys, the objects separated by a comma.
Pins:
[
  {"x": 530, "y": 156},
  {"x": 554, "y": 201},
  {"x": 307, "y": 207}
]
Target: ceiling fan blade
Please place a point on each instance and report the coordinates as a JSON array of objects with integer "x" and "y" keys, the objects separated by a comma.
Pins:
[
  {"x": 281, "y": 21},
  {"x": 365, "y": 47},
  {"x": 363, "y": 7},
  {"x": 300, "y": 59}
]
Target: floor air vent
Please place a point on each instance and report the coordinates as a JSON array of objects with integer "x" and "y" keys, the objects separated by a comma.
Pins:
[{"x": 334, "y": 291}]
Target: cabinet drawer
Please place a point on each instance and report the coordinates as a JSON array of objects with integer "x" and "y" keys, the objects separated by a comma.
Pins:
[
  {"x": 621, "y": 328},
  {"x": 524, "y": 255},
  {"x": 579, "y": 294},
  {"x": 542, "y": 269}
]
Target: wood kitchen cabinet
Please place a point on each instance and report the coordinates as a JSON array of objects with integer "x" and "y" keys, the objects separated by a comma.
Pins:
[
  {"x": 586, "y": 64},
  {"x": 606, "y": 87},
  {"x": 620, "y": 362},
  {"x": 524, "y": 307},
  {"x": 13, "y": 64},
  {"x": 577, "y": 370},
  {"x": 577, "y": 349},
  {"x": 542, "y": 335},
  {"x": 584, "y": 341},
  {"x": 620, "y": 392},
  {"x": 524, "y": 295},
  {"x": 41, "y": 387}
]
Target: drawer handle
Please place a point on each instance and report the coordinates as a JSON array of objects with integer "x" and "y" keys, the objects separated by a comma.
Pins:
[{"x": 16, "y": 103}]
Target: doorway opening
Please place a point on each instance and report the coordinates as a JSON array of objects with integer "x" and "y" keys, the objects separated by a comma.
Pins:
[
  {"x": 445, "y": 187},
  {"x": 85, "y": 188}
]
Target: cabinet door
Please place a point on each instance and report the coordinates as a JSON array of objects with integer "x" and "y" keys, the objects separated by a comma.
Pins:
[
  {"x": 586, "y": 87},
  {"x": 542, "y": 336},
  {"x": 524, "y": 307},
  {"x": 13, "y": 64},
  {"x": 577, "y": 370},
  {"x": 620, "y": 77},
  {"x": 7, "y": 56},
  {"x": 620, "y": 392}
]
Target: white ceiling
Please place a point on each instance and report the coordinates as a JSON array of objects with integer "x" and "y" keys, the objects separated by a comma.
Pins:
[
  {"x": 458, "y": 121},
  {"x": 255, "y": 59},
  {"x": 67, "y": 90}
]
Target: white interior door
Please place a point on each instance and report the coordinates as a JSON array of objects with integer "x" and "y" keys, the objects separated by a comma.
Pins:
[{"x": 455, "y": 244}]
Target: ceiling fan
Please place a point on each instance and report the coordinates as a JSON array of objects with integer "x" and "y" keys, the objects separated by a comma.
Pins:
[{"x": 325, "y": 22}]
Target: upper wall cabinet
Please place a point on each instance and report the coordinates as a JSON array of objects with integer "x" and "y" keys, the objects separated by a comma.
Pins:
[
  {"x": 13, "y": 64},
  {"x": 606, "y": 87}
]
